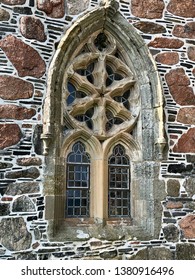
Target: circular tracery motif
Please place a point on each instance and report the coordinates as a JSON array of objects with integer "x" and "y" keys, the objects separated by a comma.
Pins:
[{"x": 100, "y": 94}]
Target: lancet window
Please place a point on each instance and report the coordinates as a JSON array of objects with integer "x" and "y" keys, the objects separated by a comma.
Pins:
[{"x": 78, "y": 182}]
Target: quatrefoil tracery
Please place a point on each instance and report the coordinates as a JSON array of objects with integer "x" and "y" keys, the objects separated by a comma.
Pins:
[{"x": 99, "y": 90}]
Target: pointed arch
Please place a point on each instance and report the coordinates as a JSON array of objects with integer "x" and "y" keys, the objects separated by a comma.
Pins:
[
  {"x": 134, "y": 51},
  {"x": 143, "y": 119}
]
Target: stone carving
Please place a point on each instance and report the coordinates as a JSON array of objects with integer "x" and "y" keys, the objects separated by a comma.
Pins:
[{"x": 100, "y": 93}]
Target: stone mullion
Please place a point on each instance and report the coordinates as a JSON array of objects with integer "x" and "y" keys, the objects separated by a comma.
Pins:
[
  {"x": 99, "y": 118},
  {"x": 100, "y": 74}
]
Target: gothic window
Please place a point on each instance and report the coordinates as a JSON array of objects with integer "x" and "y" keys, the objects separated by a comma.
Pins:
[
  {"x": 103, "y": 130},
  {"x": 100, "y": 99},
  {"x": 78, "y": 182},
  {"x": 119, "y": 183}
]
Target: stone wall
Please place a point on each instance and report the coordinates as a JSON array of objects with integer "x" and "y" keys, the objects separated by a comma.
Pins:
[{"x": 30, "y": 32}]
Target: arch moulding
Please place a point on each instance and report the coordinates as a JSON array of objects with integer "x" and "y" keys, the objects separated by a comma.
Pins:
[{"x": 149, "y": 130}]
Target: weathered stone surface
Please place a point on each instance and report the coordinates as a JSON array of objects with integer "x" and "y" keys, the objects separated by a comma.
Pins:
[
  {"x": 191, "y": 205},
  {"x": 180, "y": 168},
  {"x": 185, "y": 251},
  {"x": 169, "y": 58},
  {"x": 177, "y": 76},
  {"x": 23, "y": 10},
  {"x": 22, "y": 188},
  {"x": 174, "y": 205},
  {"x": 10, "y": 134},
  {"x": 190, "y": 158},
  {"x": 166, "y": 43},
  {"x": 16, "y": 112},
  {"x": 14, "y": 234},
  {"x": 35, "y": 245},
  {"x": 53, "y": 8},
  {"x": 109, "y": 254},
  {"x": 149, "y": 27},
  {"x": 191, "y": 53},
  {"x": 189, "y": 186},
  {"x": 25, "y": 59},
  {"x": 182, "y": 8},
  {"x": 26, "y": 256},
  {"x": 187, "y": 224},
  {"x": 147, "y": 9},
  {"x": 38, "y": 143},
  {"x": 4, "y": 15},
  {"x": 185, "y": 31},
  {"x": 153, "y": 254},
  {"x": 23, "y": 204},
  {"x": 31, "y": 172},
  {"x": 6, "y": 198},
  {"x": 4, "y": 165},
  {"x": 185, "y": 143},
  {"x": 13, "y": 2},
  {"x": 171, "y": 233},
  {"x": 173, "y": 187},
  {"x": 29, "y": 161},
  {"x": 186, "y": 115},
  {"x": 75, "y": 7},
  {"x": 4, "y": 209},
  {"x": 12, "y": 88},
  {"x": 32, "y": 28},
  {"x": 178, "y": 83},
  {"x": 96, "y": 243}
]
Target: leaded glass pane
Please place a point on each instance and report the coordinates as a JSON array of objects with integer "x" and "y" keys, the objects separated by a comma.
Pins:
[
  {"x": 119, "y": 183},
  {"x": 123, "y": 99},
  {"x": 112, "y": 76},
  {"x": 87, "y": 72},
  {"x": 73, "y": 94},
  {"x": 78, "y": 182},
  {"x": 87, "y": 118},
  {"x": 119, "y": 203},
  {"x": 112, "y": 120}
]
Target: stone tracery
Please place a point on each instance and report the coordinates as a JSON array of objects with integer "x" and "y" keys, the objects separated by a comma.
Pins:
[{"x": 99, "y": 92}]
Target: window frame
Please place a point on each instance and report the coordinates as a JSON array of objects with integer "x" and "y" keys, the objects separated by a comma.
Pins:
[
  {"x": 120, "y": 190},
  {"x": 145, "y": 158},
  {"x": 75, "y": 189}
]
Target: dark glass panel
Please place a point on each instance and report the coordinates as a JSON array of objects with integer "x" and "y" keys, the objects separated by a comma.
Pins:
[
  {"x": 119, "y": 184},
  {"x": 77, "y": 196},
  {"x": 101, "y": 42}
]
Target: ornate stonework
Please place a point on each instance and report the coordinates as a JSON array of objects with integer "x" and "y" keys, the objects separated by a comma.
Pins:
[{"x": 99, "y": 90}]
